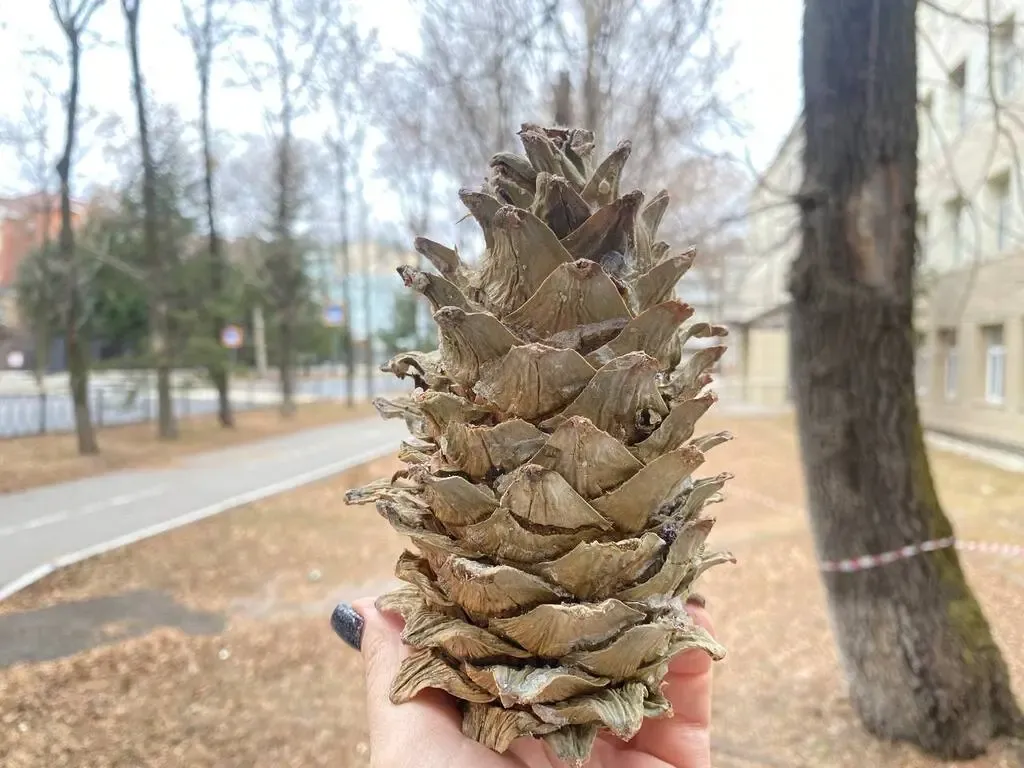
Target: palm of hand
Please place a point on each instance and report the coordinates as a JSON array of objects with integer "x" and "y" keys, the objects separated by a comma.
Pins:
[
  {"x": 689, "y": 746},
  {"x": 426, "y": 732}
]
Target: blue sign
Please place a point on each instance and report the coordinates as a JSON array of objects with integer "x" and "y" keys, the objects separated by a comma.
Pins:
[
  {"x": 333, "y": 315},
  {"x": 231, "y": 337}
]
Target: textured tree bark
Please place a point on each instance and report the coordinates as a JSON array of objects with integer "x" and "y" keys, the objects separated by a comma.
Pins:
[
  {"x": 77, "y": 357},
  {"x": 918, "y": 653}
]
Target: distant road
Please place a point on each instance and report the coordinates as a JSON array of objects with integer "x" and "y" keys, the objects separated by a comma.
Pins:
[{"x": 46, "y": 528}]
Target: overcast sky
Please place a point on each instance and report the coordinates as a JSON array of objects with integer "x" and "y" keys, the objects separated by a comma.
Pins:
[{"x": 766, "y": 72}]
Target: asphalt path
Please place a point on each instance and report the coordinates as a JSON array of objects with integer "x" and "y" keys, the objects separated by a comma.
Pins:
[{"x": 46, "y": 528}]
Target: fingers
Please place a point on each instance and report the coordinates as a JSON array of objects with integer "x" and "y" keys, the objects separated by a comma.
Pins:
[
  {"x": 684, "y": 740},
  {"x": 399, "y": 735},
  {"x": 694, "y": 663},
  {"x": 381, "y": 648}
]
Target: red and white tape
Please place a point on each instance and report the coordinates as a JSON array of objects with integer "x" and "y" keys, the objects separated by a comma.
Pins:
[{"x": 866, "y": 562}]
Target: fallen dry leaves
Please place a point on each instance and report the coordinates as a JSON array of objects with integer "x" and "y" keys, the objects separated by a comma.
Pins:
[{"x": 276, "y": 688}]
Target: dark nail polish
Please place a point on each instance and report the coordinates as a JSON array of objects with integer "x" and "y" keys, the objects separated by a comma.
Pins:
[
  {"x": 348, "y": 625},
  {"x": 697, "y": 599}
]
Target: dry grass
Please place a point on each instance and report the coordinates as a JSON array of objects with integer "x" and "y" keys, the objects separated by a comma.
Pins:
[
  {"x": 275, "y": 688},
  {"x": 28, "y": 462}
]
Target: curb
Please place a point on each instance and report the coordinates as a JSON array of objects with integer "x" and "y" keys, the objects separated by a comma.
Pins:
[{"x": 258, "y": 494}]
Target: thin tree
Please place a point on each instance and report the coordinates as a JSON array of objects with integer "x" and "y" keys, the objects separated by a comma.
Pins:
[
  {"x": 293, "y": 40},
  {"x": 342, "y": 76},
  {"x": 369, "y": 251},
  {"x": 73, "y": 16},
  {"x": 207, "y": 33},
  {"x": 921, "y": 660},
  {"x": 167, "y": 428}
]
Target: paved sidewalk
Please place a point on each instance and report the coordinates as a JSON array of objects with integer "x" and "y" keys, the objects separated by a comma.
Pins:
[{"x": 46, "y": 528}]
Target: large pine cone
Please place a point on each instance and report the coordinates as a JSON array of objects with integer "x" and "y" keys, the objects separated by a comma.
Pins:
[{"x": 549, "y": 489}]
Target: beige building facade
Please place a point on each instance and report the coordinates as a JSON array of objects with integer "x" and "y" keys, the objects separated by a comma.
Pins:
[
  {"x": 758, "y": 318},
  {"x": 970, "y": 315}
]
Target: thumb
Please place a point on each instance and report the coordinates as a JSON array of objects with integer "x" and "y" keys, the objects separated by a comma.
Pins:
[
  {"x": 395, "y": 729},
  {"x": 382, "y": 651}
]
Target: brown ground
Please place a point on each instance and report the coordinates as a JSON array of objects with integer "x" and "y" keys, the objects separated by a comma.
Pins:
[
  {"x": 245, "y": 671},
  {"x": 27, "y": 462}
]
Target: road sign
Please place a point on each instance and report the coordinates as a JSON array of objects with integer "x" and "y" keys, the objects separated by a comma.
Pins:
[
  {"x": 334, "y": 315},
  {"x": 231, "y": 336},
  {"x": 15, "y": 359}
]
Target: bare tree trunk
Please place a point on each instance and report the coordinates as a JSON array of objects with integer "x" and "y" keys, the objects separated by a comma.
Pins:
[
  {"x": 593, "y": 21},
  {"x": 921, "y": 661},
  {"x": 367, "y": 298},
  {"x": 159, "y": 331},
  {"x": 259, "y": 342},
  {"x": 77, "y": 358},
  {"x": 341, "y": 174},
  {"x": 219, "y": 367},
  {"x": 364, "y": 244},
  {"x": 42, "y": 327},
  {"x": 205, "y": 34},
  {"x": 563, "y": 99},
  {"x": 288, "y": 272},
  {"x": 286, "y": 364}
]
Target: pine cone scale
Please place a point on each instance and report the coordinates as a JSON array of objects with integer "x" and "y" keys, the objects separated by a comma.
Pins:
[{"x": 549, "y": 487}]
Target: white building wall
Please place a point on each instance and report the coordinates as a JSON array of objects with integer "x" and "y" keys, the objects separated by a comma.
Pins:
[
  {"x": 971, "y": 224},
  {"x": 968, "y": 155}
]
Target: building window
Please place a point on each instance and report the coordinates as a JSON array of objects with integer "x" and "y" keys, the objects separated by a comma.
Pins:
[
  {"x": 999, "y": 192},
  {"x": 955, "y": 214},
  {"x": 922, "y": 368},
  {"x": 958, "y": 97},
  {"x": 950, "y": 363},
  {"x": 1005, "y": 58},
  {"x": 995, "y": 364}
]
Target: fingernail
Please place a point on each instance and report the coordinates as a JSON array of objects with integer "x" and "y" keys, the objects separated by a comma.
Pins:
[
  {"x": 697, "y": 599},
  {"x": 348, "y": 625}
]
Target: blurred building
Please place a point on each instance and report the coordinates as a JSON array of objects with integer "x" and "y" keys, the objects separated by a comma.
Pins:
[
  {"x": 970, "y": 312},
  {"x": 374, "y": 284},
  {"x": 758, "y": 314},
  {"x": 971, "y": 225},
  {"x": 25, "y": 224}
]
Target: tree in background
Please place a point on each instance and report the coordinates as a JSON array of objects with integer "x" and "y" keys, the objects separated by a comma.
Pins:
[
  {"x": 158, "y": 277},
  {"x": 291, "y": 38},
  {"x": 116, "y": 239},
  {"x": 39, "y": 304},
  {"x": 208, "y": 31},
  {"x": 405, "y": 331},
  {"x": 484, "y": 68},
  {"x": 342, "y": 79},
  {"x": 921, "y": 660},
  {"x": 73, "y": 16},
  {"x": 29, "y": 136}
]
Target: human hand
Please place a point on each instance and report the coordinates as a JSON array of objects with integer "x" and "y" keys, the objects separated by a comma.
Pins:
[{"x": 426, "y": 732}]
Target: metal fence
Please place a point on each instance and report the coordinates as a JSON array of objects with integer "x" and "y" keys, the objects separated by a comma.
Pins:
[
  {"x": 111, "y": 405},
  {"x": 117, "y": 404}
]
